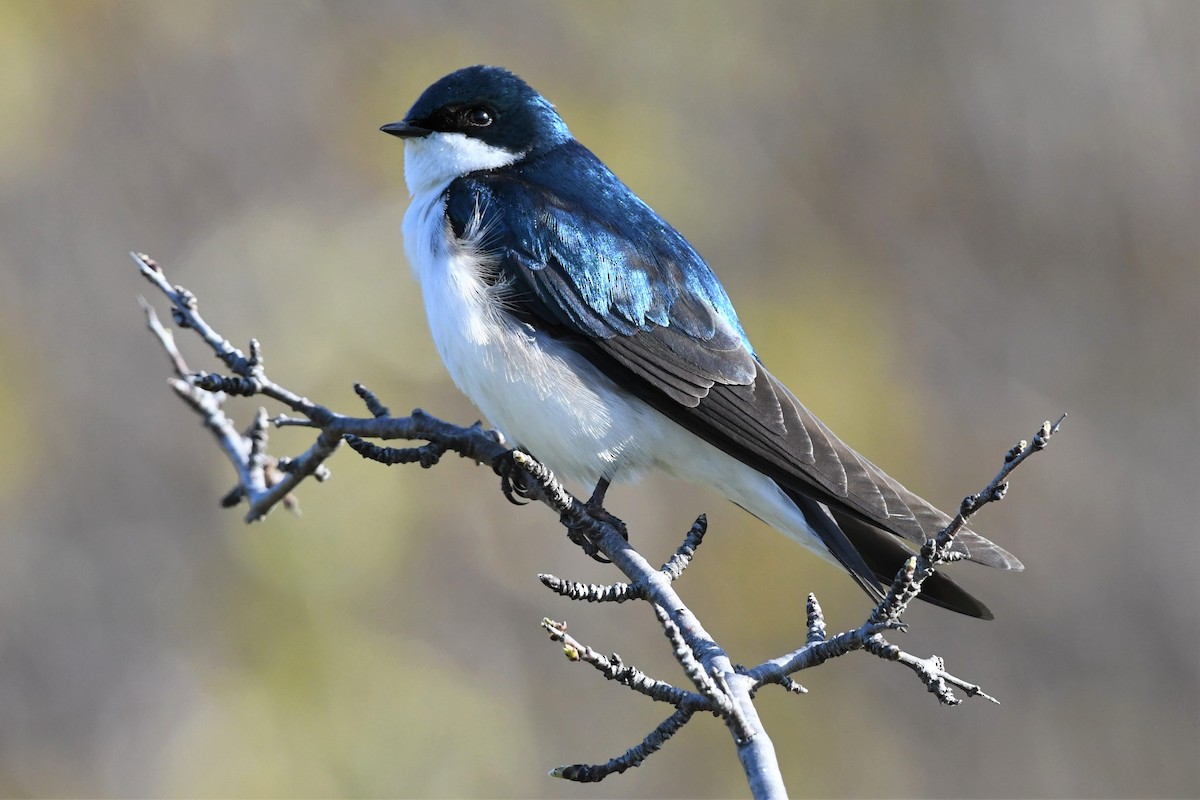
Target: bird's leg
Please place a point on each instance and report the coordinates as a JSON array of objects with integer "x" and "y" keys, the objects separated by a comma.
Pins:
[
  {"x": 595, "y": 509},
  {"x": 597, "y": 498}
]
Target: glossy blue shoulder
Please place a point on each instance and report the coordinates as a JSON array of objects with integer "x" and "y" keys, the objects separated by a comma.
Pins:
[{"x": 583, "y": 252}]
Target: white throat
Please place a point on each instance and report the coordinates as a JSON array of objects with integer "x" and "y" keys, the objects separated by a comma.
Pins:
[{"x": 439, "y": 158}]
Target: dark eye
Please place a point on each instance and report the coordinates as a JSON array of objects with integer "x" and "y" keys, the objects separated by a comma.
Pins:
[{"x": 479, "y": 116}]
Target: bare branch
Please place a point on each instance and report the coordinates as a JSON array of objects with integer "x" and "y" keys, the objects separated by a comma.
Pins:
[
  {"x": 614, "y": 669},
  {"x": 674, "y": 568},
  {"x": 592, "y": 592},
  {"x": 904, "y": 589},
  {"x": 816, "y": 620},
  {"x": 722, "y": 688},
  {"x": 165, "y": 337},
  {"x": 591, "y": 773}
]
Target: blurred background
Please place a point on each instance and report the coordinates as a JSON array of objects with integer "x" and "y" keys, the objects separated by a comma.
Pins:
[{"x": 942, "y": 224}]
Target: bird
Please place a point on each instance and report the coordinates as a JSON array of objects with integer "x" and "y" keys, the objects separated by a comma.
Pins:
[{"x": 591, "y": 334}]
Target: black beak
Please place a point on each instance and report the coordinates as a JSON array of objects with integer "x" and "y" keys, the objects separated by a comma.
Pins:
[{"x": 405, "y": 131}]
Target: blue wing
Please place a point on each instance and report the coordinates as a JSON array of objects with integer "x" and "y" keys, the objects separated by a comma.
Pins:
[
  {"x": 586, "y": 260},
  {"x": 639, "y": 289}
]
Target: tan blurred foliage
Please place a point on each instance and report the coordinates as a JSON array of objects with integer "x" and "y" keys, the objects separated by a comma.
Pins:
[{"x": 942, "y": 223}]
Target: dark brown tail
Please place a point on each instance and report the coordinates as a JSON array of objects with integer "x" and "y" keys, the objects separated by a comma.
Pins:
[
  {"x": 884, "y": 555},
  {"x": 873, "y": 556}
]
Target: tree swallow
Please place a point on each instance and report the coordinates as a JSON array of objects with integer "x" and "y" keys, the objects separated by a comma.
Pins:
[{"x": 593, "y": 335}]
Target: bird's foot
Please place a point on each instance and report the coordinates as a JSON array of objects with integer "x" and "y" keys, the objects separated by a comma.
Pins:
[
  {"x": 514, "y": 482},
  {"x": 580, "y": 537},
  {"x": 595, "y": 509}
]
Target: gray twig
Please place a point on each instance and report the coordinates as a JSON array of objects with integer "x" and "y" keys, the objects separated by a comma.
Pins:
[
  {"x": 614, "y": 669},
  {"x": 591, "y": 773},
  {"x": 592, "y": 592},
  {"x": 683, "y": 556},
  {"x": 904, "y": 589},
  {"x": 265, "y": 481}
]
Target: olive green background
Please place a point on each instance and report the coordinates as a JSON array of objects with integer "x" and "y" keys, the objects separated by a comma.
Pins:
[{"x": 941, "y": 222}]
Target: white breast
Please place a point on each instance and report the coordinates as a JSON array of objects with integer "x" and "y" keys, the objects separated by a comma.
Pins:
[{"x": 539, "y": 393}]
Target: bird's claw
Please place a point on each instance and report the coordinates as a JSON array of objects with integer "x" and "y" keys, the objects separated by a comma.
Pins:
[
  {"x": 514, "y": 482},
  {"x": 596, "y": 511},
  {"x": 580, "y": 537}
]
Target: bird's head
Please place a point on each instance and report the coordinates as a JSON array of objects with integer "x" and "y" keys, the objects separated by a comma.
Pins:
[{"x": 474, "y": 119}]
